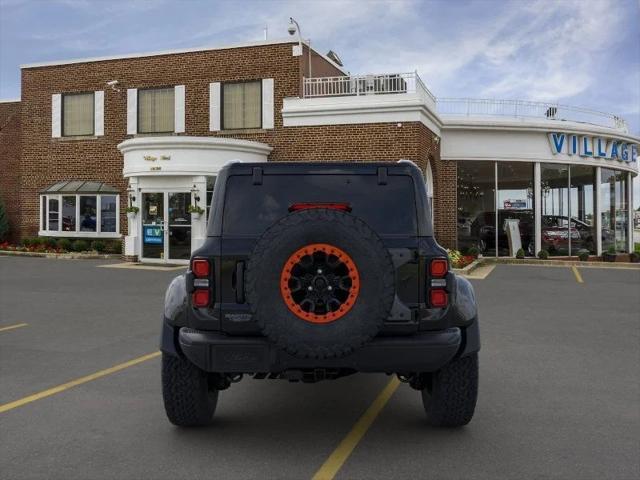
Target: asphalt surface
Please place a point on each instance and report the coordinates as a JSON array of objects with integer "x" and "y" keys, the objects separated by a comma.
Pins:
[{"x": 559, "y": 388}]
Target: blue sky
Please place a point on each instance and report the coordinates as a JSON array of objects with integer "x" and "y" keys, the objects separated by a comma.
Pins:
[{"x": 584, "y": 52}]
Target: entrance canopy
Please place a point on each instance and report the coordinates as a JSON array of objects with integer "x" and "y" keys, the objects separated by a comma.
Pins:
[{"x": 80, "y": 186}]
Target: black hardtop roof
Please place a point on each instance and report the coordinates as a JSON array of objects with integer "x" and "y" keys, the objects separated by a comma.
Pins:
[{"x": 363, "y": 167}]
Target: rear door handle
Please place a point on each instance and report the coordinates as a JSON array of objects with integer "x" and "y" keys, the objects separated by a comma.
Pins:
[{"x": 240, "y": 282}]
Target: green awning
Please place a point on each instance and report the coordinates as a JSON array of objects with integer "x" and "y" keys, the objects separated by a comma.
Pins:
[{"x": 80, "y": 186}]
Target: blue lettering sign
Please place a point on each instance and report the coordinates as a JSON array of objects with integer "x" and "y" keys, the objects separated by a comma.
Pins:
[
  {"x": 624, "y": 152},
  {"x": 634, "y": 153},
  {"x": 614, "y": 150},
  {"x": 573, "y": 146},
  {"x": 557, "y": 141},
  {"x": 586, "y": 148},
  {"x": 601, "y": 150},
  {"x": 153, "y": 235}
]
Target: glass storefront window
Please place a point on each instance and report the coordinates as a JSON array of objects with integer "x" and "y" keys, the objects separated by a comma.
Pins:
[
  {"x": 614, "y": 210},
  {"x": 108, "y": 213},
  {"x": 582, "y": 206},
  {"x": 69, "y": 214},
  {"x": 516, "y": 221},
  {"x": 211, "y": 181},
  {"x": 88, "y": 213},
  {"x": 476, "y": 206},
  {"x": 54, "y": 213},
  {"x": 554, "y": 190}
]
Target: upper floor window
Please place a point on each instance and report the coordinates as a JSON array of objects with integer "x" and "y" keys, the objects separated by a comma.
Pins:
[
  {"x": 78, "y": 114},
  {"x": 156, "y": 110},
  {"x": 242, "y": 105}
]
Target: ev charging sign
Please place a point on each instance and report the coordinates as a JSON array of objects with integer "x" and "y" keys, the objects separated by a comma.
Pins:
[{"x": 595, "y": 147}]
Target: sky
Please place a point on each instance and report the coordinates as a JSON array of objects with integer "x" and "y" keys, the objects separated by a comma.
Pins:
[{"x": 584, "y": 52}]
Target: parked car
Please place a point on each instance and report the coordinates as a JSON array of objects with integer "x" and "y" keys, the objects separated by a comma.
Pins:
[{"x": 310, "y": 273}]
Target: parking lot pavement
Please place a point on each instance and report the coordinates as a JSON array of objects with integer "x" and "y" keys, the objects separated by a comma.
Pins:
[{"x": 559, "y": 388}]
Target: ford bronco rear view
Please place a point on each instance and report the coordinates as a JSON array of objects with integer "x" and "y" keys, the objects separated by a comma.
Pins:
[{"x": 315, "y": 271}]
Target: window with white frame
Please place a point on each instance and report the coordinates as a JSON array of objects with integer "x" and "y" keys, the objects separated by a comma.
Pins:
[
  {"x": 242, "y": 105},
  {"x": 78, "y": 114},
  {"x": 81, "y": 209},
  {"x": 156, "y": 110}
]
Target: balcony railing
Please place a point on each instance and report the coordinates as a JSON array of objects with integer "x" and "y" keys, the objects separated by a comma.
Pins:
[
  {"x": 356, "y": 85},
  {"x": 471, "y": 107},
  {"x": 403, "y": 83}
]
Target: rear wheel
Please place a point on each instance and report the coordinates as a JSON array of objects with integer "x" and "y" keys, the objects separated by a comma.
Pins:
[
  {"x": 189, "y": 394},
  {"x": 450, "y": 394}
]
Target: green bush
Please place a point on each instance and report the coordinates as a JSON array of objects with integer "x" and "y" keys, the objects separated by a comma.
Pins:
[
  {"x": 98, "y": 245},
  {"x": 50, "y": 242},
  {"x": 583, "y": 255},
  {"x": 65, "y": 244},
  {"x": 520, "y": 253},
  {"x": 4, "y": 223},
  {"x": 36, "y": 241},
  {"x": 26, "y": 242},
  {"x": 80, "y": 246},
  {"x": 474, "y": 252},
  {"x": 611, "y": 249},
  {"x": 636, "y": 247},
  {"x": 113, "y": 246},
  {"x": 543, "y": 254}
]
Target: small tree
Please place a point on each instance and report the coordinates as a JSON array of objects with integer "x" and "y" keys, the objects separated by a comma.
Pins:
[{"x": 4, "y": 222}]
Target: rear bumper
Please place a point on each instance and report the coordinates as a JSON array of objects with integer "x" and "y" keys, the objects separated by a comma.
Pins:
[{"x": 424, "y": 352}]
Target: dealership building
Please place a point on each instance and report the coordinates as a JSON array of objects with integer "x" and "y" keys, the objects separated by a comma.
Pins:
[{"x": 91, "y": 138}]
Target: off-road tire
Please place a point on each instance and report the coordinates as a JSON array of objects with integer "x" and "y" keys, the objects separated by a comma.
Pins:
[
  {"x": 189, "y": 396},
  {"x": 360, "y": 324},
  {"x": 450, "y": 394}
]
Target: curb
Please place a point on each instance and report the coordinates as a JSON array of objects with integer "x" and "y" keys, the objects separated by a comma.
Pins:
[
  {"x": 562, "y": 263},
  {"x": 63, "y": 256},
  {"x": 469, "y": 268}
]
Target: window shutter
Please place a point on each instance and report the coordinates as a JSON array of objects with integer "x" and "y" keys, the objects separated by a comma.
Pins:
[
  {"x": 179, "y": 108},
  {"x": 214, "y": 107},
  {"x": 132, "y": 111},
  {"x": 267, "y": 103},
  {"x": 98, "y": 111},
  {"x": 56, "y": 115}
]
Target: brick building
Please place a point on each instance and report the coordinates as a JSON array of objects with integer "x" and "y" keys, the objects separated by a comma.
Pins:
[{"x": 91, "y": 137}]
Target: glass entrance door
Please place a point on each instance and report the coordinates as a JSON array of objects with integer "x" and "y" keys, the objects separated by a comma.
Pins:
[
  {"x": 179, "y": 226},
  {"x": 166, "y": 226},
  {"x": 153, "y": 228}
]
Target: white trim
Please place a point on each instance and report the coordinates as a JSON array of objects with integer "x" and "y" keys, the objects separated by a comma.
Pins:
[
  {"x": 56, "y": 115},
  {"x": 10, "y": 100},
  {"x": 98, "y": 112},
  {"x": 214, "y": 107},
  {"x": 537, "y": 213},
  {"x": 78, "y": 233},
  {"x": 598, "y": 212},
  {"x": 179, "y": 102},
  {"x": 161, "y": 52},
  {"x": 268, "y": 119},
  {"x": 63, "y": 234},
  {"x": 629, "y": 212},
  {"x": 132, "y": 111}
]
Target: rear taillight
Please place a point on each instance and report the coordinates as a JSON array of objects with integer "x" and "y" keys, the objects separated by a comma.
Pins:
[
  {"x": 343, "y": 207},
  {"x": 438, "y": 296},
  {"x": 202, "y": 291}
]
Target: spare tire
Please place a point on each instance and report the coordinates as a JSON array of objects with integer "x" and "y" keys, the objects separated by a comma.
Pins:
[{"x": 320, "y": 283}]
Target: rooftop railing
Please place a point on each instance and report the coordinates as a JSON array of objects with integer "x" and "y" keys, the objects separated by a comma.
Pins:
[
  {"x": 402, "y": 83},
  {"x": 356, "y": 85},
  {"x": 472, "y": 107}
]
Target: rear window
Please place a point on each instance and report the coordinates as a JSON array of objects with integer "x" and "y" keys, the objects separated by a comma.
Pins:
[{"x": 388, "y": 209}]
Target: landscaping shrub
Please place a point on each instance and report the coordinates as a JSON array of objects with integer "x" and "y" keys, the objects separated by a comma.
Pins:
[
  {"x": 49, "y": 242},
  {"x": 4, "y": 222},
  {"x": 37, "y": 241},
  {"x": 520, "y": 253},
  {"x": 26, "y": 242},
  {"x": 583, "y": 255},
  {"x": 65, "y": 244},
  {"x": 98, "y": 245},
  {"x": 113, "y": 246},
  {"x": 543, "y": 254},
  {"x": 80, "y": 246},
  {"x": 474, "y": 252}
]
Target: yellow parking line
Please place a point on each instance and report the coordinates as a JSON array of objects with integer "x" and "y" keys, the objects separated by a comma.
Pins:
[
  {"x": 576, "y": 273},
  {"x": 75, "y": 383},
  {"x": 11, "y": 327},
  {"x": 335, "y": 461}
]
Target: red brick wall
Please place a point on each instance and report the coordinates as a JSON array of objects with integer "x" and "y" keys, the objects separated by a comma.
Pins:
[
  {"x": 10, "y": 162},
  {"x": 46, "y": 160}
]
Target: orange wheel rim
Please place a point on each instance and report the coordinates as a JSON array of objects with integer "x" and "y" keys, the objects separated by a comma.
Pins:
[{"x": 319, "y": 283}]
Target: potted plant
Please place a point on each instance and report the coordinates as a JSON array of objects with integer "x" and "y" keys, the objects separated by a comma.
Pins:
[
  {"x": 610, "y": 255},
  {"x": 583, "y": 255},
  {"x": 543, "y": 254},
  {"x": 195, "y": 211},
  {"x": 132, "y": 211}
]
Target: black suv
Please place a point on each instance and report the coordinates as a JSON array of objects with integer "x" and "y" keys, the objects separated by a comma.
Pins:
[{"x": 316, "y": 271}]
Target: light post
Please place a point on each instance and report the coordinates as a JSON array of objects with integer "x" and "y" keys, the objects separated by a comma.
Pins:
[{"x": 294, "y": 28}]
